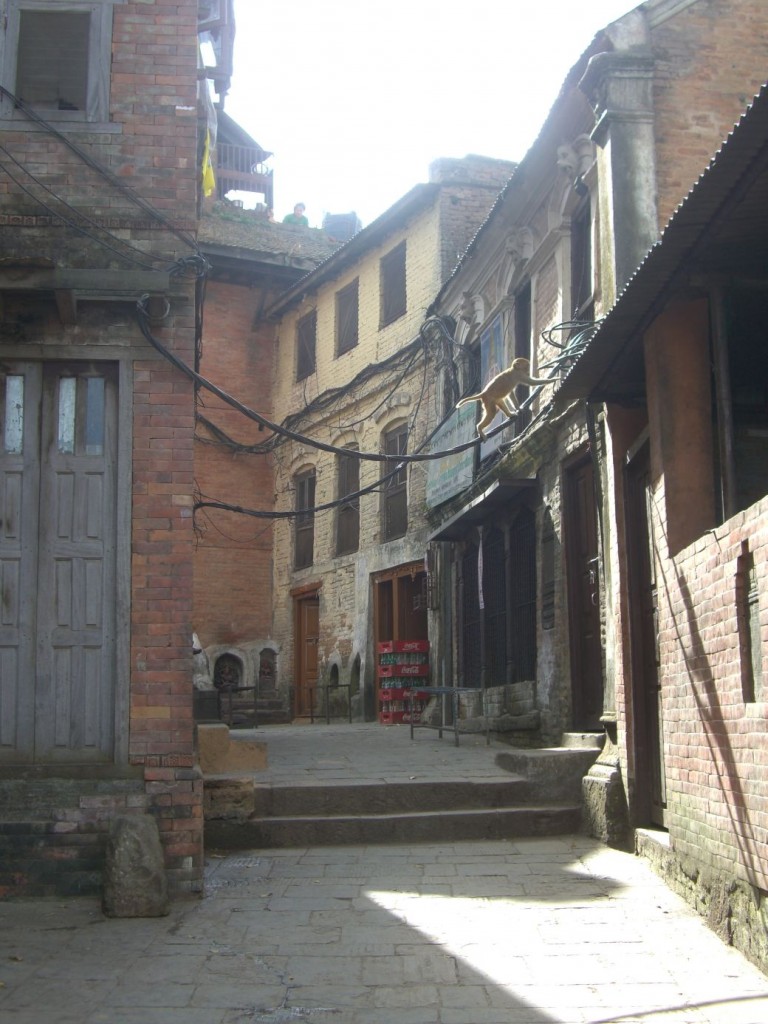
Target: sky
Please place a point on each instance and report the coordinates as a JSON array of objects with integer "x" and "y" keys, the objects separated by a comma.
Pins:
[{"x": 355, "y": 98}]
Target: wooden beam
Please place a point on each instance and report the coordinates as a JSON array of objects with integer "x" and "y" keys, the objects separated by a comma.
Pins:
[
  {"x": 66, "y": 303},
  {"x": 105, "y": 283}
]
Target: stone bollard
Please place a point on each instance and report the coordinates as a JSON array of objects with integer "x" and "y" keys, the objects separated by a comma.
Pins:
[{"x": 135, "y": 884}]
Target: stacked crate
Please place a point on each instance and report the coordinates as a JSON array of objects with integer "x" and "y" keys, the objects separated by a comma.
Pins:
[{"x": 402, "y": 664}]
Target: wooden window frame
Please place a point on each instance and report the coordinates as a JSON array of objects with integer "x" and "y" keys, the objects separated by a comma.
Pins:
[
  {"x": 99, "y": 58},
  {"x": 348, "y": 512},
  {"x": 394, "y": 491},
  {"x": 392, "y": 272},
  {"x": 306, "y": 345},
  {"x": 582, "y": 264},
  {"x": 304, "y": 523},
  {"x": 348, "y": 317}
]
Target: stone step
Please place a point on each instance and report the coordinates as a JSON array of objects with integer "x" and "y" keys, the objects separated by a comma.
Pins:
[
  {"x": 388, "y": 797},
  {"x": 554, "y": 771},
  {"x": 422, "y": 826},
  {"x": 272, "y": 715}
]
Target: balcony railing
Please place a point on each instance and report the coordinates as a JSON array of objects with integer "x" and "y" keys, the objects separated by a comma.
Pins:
[{"x": 238, "y": 167}]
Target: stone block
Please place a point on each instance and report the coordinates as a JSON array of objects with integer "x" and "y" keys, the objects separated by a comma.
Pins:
[
  {"x": 135, "y": 883},
  {"x": 221, "y": 751}
]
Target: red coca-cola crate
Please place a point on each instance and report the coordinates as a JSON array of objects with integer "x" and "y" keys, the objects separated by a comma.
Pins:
[
  {"x": 386, "y": 671},
  {"x": 416, "y": 716},
  {"x": 391, "y": 717},
  {"x": 400, "y": 646},
  {"x": 393, "y": 693}
]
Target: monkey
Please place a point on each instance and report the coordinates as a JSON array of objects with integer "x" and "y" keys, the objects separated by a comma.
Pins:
[{"x": 500, "y": 389}]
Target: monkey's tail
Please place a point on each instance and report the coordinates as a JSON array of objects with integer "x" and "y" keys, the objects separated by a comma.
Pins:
[{"x": 468, "y": 398}]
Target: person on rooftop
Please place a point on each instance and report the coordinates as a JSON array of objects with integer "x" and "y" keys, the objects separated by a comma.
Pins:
[{"x": 297, "y": 217}]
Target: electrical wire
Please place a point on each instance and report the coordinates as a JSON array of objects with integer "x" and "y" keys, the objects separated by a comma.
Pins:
[
  {"x": 201, "y": 381},
  {"x": 100, "y": 169},
  {"x": 60, "y": 216}
]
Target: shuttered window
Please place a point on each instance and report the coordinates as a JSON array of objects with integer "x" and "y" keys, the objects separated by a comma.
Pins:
[
  {"x": 57, "y": 58},
  {"x": 393, "y": 299},
  {"x": 347, "y": 305},
  {"x": 304, "y": 528},
  {"x": 306, "y": 343},
  {"x": 582, "y": 304},
  {"x": 394, "y": 493},
  {"x": 348, "y": 515}
]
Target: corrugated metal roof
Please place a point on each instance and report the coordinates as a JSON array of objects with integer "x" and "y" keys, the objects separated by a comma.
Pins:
[{"x": 720, "y": 228}]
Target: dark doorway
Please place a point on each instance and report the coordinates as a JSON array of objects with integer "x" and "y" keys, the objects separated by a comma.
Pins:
[
  {"x": 306, "y": 653},
  {"x": 650, "y": 783},
  {"x": 399, "y": 606},
  {"x": 581, "y": 550}
]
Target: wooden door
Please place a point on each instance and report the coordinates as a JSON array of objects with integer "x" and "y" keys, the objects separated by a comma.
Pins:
[
  {"x": 57, "y": 562},
  {"x": 307, "y": 638},
  {"x": 581, "y": 537},
  {"x": 647, "y": 729}
]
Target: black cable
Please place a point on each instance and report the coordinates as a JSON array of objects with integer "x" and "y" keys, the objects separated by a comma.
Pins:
[
  {"x": 59, "y": 216},
  {"x": 197, "y": 378},
  {"x": 108, "y": 175}
]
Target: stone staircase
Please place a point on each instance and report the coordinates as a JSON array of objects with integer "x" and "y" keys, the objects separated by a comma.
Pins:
[{"x": 537, "y": 793}]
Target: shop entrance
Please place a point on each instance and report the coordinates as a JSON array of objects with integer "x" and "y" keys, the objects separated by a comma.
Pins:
[
  {"x": 400, "y": 605},
  {"x": 307, "y": 619}
]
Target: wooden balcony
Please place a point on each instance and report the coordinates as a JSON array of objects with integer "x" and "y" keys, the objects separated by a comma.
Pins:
[{"x": 239, "y": 167}]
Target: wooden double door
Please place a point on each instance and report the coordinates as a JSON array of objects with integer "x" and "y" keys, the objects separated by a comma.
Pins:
[
  {"x": 58, "y": 456},
  {"x": 307, "y": 638}
]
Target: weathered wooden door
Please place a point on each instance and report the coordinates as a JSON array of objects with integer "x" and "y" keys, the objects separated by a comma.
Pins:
[
  {"x": 647, "y": 731},
  {"x": 307, "y": 637},
  {"x": 58, "y": 448},
  {"x": 581, "y": 538}
]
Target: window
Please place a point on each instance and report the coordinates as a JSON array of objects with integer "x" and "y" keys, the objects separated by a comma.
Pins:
[
  {"x": 394, "y": 495},
  {"x": 306, "y": 340},
  {"x": 348, "y": 515},
  {"x": 81, "y": 415},
  {"x": 347, "y": 318},
  {"x": 740, "y": 366},
  {"x": 471, "y": 374},
  {"x": 304, "y": 527},
  {"x": 582, "y": 305},
  {"x": 393, "y": 285},
  {"x": 57, "y": 58},
  {"x": 748, "y": 613},
  {"x": 523, "y": 348}
]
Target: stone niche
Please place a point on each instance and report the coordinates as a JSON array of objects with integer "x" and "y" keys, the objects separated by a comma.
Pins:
[{"x": 239, "y": 676}]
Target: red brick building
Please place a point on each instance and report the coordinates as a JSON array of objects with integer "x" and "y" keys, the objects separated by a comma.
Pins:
[
  {"x": 681, "y": 363},
  {"x": 99, "y": 192},
  {"x": 252, "y": 261}
]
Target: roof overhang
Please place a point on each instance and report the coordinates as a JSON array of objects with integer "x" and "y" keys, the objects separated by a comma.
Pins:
[
  {"x": 718, "y": 234},
  {"x": 477, "y": 510},
  {"x": 396, "y": 217}
]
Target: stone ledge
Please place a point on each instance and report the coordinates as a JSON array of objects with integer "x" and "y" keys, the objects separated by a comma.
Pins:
[{"x": 221, "y": 751}]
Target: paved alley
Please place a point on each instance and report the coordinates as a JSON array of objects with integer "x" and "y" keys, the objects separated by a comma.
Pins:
[{"x": 532, "y": 931}]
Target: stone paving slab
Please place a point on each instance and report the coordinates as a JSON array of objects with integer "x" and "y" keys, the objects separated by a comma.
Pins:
[
  {"x": 321, "y": 755},
  {"x": 557, "y": 930}
]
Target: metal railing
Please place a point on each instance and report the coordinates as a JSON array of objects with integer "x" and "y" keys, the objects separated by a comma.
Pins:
[
  {"x": 238, "y": 167},
  {"x": 326, "y": 689}
]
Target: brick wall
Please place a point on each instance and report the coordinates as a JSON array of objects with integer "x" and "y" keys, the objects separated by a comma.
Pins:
[
  {"x": 710, "y": 62},
  {"x": 150, "y": 145},
  {"x": 233, "y": 555}
]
